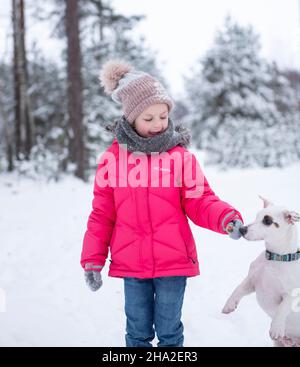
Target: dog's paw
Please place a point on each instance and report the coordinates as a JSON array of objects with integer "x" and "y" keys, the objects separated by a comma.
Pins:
[
  {"x": 277, "y": 331},
  {"x": 230, "y": 306}
]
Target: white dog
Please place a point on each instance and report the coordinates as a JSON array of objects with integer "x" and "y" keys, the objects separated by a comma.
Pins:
[{"x": 275, "y": 274}]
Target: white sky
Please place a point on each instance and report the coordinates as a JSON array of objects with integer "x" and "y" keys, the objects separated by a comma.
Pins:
[{"x": 183, "y": 30}]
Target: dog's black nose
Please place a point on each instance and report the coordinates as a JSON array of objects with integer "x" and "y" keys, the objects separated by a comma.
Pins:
[{"x": 243, "y": 230}]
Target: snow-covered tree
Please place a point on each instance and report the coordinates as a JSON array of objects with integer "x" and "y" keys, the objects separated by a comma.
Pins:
[
  {"x": 242, "y": 108},
  {"x": 293, "y": 77},
  {"x": 46, "y": 90},
  {"x": 49, "y": 105}
]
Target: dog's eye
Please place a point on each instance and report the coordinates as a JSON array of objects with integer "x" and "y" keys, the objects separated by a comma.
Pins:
[{"x": 267, "y": 221}]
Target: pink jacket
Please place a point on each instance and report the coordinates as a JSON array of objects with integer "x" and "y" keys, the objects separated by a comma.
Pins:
[{"x": 146, "y": 227}]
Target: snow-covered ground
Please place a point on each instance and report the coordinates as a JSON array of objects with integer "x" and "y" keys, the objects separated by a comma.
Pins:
[{"x": 47, "y": 302}]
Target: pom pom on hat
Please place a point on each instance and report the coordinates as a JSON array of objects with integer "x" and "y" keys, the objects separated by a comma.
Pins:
[{"x": 111, "y": 72}]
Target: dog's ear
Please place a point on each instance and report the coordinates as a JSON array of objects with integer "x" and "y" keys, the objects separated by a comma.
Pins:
[
  {"x": 266, "y": 202},
  {"x": 291, "y": 217}
]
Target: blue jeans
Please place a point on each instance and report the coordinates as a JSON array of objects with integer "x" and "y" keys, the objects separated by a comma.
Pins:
[{"x": 154, "y": 302}]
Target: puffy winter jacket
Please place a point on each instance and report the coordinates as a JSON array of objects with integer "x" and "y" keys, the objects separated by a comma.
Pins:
[{"x": 146, "y": 226}]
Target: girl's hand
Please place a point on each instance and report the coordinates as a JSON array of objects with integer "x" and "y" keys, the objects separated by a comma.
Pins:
[
  {"x": 92, "y": 275},
  {"x": 232, "y": 229}
]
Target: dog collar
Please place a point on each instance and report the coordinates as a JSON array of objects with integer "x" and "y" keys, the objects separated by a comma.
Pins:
[{"x": 288, "y": 257}]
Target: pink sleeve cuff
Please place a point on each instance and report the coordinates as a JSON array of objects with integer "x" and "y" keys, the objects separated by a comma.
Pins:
[
  {"x": 92, "y": 267},
  {"x": 230, "y": 217}
]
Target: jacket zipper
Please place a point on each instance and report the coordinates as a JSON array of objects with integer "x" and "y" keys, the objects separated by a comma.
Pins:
[{"x": 149, "y": 175}]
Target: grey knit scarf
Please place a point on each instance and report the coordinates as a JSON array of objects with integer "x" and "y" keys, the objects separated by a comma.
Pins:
[{"x": 172, "y": 136}]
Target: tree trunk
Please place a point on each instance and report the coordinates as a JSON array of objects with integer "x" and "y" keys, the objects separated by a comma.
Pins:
[
  {"x": 8, "y": 137},
  {"x": 23, "y": 117},
  {"x": 75, "y": 109}
]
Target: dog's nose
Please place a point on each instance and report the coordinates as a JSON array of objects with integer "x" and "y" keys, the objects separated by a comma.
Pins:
[{"x": 243, "y": 230}]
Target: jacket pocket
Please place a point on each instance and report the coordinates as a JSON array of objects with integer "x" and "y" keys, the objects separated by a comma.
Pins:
[
  {"x": 188, "y": 254},
  {"x": 192, "y": 259}
]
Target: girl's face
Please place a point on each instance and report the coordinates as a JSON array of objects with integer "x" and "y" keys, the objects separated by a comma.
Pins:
[{"x": 152, "y": 121}]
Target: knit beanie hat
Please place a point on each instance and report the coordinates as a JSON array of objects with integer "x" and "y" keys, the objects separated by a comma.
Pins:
[{"x": 135, "y": 90}]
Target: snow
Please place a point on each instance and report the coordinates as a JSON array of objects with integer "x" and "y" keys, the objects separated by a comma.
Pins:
[{"x": 41, "y": 282}]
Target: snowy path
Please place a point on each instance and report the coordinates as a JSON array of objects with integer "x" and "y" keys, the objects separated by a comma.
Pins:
[{"x": 47, "y": 302}]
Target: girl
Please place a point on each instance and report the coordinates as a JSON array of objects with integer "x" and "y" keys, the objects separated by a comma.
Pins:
[{"x": 142, "y": 219}]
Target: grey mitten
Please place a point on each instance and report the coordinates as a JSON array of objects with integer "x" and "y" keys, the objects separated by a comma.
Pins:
[
  {"x": 232, "y": 229},
  {"x": 92, "y": 275}
]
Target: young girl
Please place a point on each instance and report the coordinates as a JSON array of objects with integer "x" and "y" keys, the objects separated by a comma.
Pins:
[{"x": 142, "y": 220}]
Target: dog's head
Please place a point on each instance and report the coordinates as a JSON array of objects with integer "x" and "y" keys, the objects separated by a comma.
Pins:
[{"x": 272, "y": 224}]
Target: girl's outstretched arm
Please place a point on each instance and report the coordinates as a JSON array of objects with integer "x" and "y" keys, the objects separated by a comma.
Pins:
[{"x": 199, "y": 201}]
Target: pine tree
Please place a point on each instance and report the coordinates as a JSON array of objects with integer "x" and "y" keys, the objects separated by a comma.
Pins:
[
  {"x": 49, "y": 105},
  {"x": 237, "y": 104}
]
